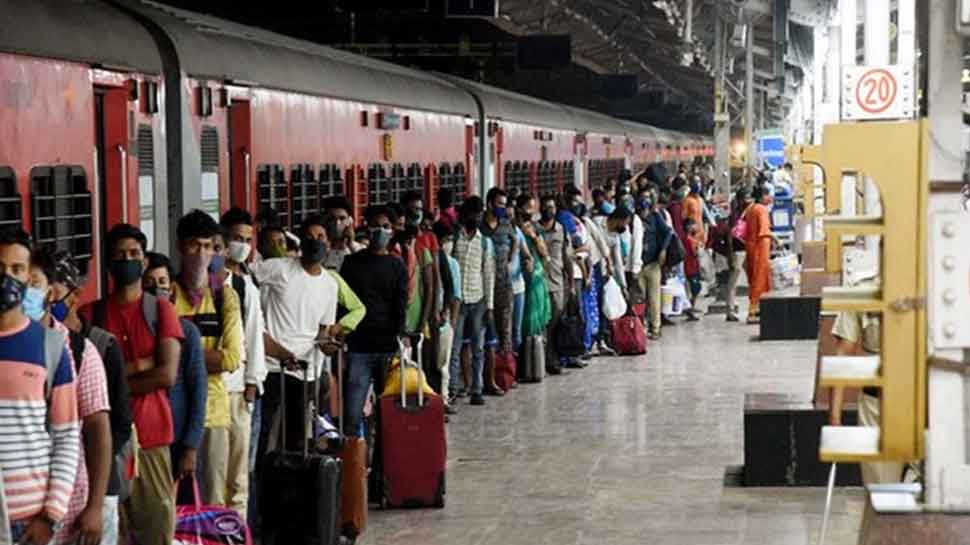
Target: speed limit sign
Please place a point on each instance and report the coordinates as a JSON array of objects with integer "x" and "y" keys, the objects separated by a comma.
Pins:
[{"x": 877, "y": 92}]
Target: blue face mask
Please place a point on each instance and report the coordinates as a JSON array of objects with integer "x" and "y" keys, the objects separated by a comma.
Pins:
[
  {"x": 34, "y": 303},
  {"x": 500, "y": 212},
  {"x": 59, "y": 310},
  {"x": 217, "y": 264},
  {"x": 607, "y": 207}
]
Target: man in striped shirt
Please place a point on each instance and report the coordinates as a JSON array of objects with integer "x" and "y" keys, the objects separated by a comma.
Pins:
[
  {"x": 476, "y": 259},
  {"x": 39, "y": 443}
]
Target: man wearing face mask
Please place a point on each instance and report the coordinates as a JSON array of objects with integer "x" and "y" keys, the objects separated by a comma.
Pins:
[
  {"x": 657, "y": 236},
  {"x": 41, "y": 430},
  {"x": 84, "y": 520},
  {"x": 477, "y": 264},
  {"x": 244, "y": 384},
  {"x": 426, "y": 252},
  {"x": 380, "y": 280},
  {"x": 65, "y": 294},
  {"x": 150, "y": 336},
  {"x": 215, "y": 310},
  {"x": 510, "y": 257},
  {"x": 300, "y": 303},
  {"x": 559, "y": 274},
  {"x": 188, "y": 395}
]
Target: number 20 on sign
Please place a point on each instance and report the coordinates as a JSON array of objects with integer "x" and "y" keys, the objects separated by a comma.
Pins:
[{"x": 877, "y": 92}]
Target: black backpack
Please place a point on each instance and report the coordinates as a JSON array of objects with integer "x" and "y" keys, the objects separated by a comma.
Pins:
[
  {"x": 675, "y": 252},
  {"x": 567, "y": 337}
]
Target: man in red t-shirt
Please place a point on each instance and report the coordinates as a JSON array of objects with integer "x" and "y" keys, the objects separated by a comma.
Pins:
[{"x": 152, "y": 367}]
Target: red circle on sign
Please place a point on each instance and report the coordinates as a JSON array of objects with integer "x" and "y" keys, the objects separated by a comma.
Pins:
[{"x": 876, "y": 90}]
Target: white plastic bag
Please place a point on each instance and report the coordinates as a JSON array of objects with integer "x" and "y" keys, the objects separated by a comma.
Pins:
[
  {"x": 785, "y": 271},
  {"x": 614, "y": 305}
]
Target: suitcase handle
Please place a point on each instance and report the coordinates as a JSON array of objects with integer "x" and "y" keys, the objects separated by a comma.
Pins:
[
  {"x": 305, "y": 365},
  {"x": 406, "y": 361}
]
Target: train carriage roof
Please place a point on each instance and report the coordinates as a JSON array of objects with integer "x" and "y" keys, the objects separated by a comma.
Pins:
[
  {"x": 510, "y": 106},
  {"x": 639, "y": 130},
  {"x": 209, "y": 47},
  {"x": 85, "y": 31},
  {"x": 588, "y": 121}
]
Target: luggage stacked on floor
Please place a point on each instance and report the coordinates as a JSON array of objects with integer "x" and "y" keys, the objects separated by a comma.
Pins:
[
  {"x": 413, "y": 447},
  {"x": 300, "y": 491}
]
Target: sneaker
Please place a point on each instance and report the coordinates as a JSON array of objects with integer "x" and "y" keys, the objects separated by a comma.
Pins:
[
  {"x": 587, "y": 356},
  {"x": 653, "y": 336},
  {"x": 733, "y": 318},
  {"x": 451, "y": 409},
  {"x": 477, "y": 399},
  {"x": 604, "y": 350},
  {"x": 555, "y": 371}
]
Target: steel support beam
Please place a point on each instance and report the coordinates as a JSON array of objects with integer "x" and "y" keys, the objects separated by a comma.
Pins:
[
  {"x": 749, "y": 98},
  {"x": 722, "y": 110}
]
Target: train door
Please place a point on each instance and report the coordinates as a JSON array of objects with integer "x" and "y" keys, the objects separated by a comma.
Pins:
[
  {"x": 111, "y": 149},
  {"x": 240, "y": 155}
]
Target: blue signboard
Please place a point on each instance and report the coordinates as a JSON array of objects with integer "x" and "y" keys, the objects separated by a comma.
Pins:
[{"x": 771, "y": 150}]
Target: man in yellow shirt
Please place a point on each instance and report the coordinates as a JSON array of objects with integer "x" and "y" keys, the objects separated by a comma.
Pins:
[{"x": 216, "y": 312}]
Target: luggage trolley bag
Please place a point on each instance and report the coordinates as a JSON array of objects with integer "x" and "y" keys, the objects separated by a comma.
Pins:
[
  {"x": 629, "y": 335},
  {"x": 534, "y": 361},
  {"x": 353, "y": 480},
  {"x": 413, "y": 445},
  {"x": 300, "y": 491}
]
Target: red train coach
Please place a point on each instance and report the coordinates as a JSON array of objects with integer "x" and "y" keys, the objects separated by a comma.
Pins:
[
  {"x": 80, "y": 121},
  {"x": 261, "y": 119},
  {"x": 527, "y": 144},
  {"x": 601, "y": 148}
]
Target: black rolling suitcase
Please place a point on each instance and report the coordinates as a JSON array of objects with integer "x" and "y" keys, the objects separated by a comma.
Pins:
[{"x": 300, "y": 491}]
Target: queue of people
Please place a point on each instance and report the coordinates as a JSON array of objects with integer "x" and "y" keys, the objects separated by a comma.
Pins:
[{"x": 175, "y": 374}]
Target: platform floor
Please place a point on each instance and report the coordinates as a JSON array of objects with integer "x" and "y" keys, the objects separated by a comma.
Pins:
[{"x": 631, "y": 450}]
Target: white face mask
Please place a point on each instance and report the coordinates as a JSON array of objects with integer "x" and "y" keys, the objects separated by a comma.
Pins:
[
  {"x": 447, "y": 246},
  {"x": 239, "y": 251}
]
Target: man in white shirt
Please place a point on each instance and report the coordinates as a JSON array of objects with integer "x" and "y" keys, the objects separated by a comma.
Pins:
[
  {"x": 246, "y": 383},
  {"x": 300, "y": 305}
]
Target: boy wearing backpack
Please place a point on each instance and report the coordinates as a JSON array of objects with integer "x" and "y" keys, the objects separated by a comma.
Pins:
[
  {"x": 39, "y": 446},
  {"x": 83, "y": 521},
  {"x": 149, "y": 333},
  {"x": 65, "y": 293},
  {"x": 215, "y": 310}
]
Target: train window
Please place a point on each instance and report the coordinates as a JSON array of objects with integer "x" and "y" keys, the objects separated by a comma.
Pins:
[
  {"x": 209, "y": 144},
  {"x": 460, "y": 182},
  {"x": 546, "y": 184},
  {"x": 398, "y": 183},
  {"x": 453, "y": 178},
  {"x": 146, "y": 183},
  {"x": 416, "y": 179},
  {"x": 11, "y": 207},
  {"x": 378, "y": 190},
  {"x": 331, "y": 181},
  {"x": 273, "y": 191},
  {"x": 61, "y": 210},
  {"x": 305, "y": 191},
  {"x": 569, "y": 173}
]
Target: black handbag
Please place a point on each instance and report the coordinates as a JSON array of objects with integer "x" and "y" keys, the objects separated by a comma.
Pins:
[{"x": 568, "y": 335}]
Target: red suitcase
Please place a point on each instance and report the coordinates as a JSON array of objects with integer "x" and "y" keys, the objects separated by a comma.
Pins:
[
  {"x": 629, "y": 336},
  {"x": 413, "y": 446},
  {"x": 505, "y": 370}
]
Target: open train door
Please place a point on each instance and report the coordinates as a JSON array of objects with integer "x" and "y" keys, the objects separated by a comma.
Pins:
[
  {"x": 240, "y": 156},
  {"x": 115, "y": 190}
]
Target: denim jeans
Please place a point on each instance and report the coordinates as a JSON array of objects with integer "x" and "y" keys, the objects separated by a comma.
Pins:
[
  {"x": 362, "y": 368},
  {"x": 518, "y": 311},
  {"x": 474, "y": 315},
  {"x": 257, "y": 422}
]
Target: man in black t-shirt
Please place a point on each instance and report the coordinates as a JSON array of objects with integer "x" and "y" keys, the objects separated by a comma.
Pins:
[{"x": 380, "y": 280}]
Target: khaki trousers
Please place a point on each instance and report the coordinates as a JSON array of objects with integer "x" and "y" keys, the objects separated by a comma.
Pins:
[
  {"x": 214, "y": 465},
  {"x": 237, "y": 480},
  {"x": 150, "y": 511},
  {"x": 650, "y": 280}
]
